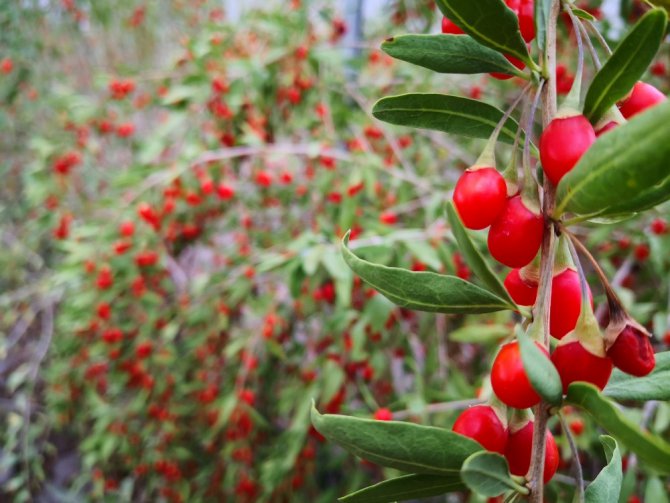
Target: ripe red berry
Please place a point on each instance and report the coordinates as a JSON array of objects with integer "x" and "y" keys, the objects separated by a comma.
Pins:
[
  {"x": 566, "y": 303},
  {"x": 576, "y": 426},
  {"x": 448, "y": 26},
  {"x": 383, "y": 415},
  {"x": 659, "y": 226},
  {"x": 522, "y": 291},
  {"x": 509, "y": 380},
  {"x": 631, "y": 351},
  {"x": 505, "y": 76},
  {"x": 525, "y": 10},
  {"x": 642, "y": 97},
  {"x": 516, "y": 235},
  {"x": 563, "y": 143},
  {"x": 482, "y": 423},
  {"x": 480, "y": 196},
  {"x": 127, "y": 228},
  {"x": 519, "y": 448},
  {"x": 575, "y": 363}
]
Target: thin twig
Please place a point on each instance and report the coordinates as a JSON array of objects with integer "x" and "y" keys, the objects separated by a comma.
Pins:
[{"x": 579, "y": 476}]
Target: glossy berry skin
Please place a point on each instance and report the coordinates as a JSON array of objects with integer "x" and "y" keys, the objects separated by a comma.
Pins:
[
  {"x": 522, "y": 292},
  {"x": 516, "y": 235},
  {"x": 519, "y": 448},
  {"x": 449, "y": 27},
  {"x": 525, "y": 11},
  {"x": 481, "y": 423},
  {"x": 575, "y": 363},
  {"x": 632, "y": 352},
  {"x": 643, "y": 96},
  {"x": 566, "y": 303},
  {"x": 563, "y": 143},
  {"x": 509, "y": 380},
  {"x": 480, "y": 196}
]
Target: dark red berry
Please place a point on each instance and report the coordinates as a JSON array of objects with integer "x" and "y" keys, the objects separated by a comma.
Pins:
[
  {"x": 522, "y": 291},
  {"x": 482, "y": 423},
  {"x": 631, "y": 351},
  {"x": 576, "y": 363},
  {"x": 480, "y": 196},
  {"x": 642, "y": 97},
  {"x": 516, "y": 235},
  {"x": 563, "y": 143},
  {"x": 519, "y": 448},
  {"x": 509, "y": 380}
]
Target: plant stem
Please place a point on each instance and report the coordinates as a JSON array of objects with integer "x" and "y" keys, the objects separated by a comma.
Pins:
[{"x": 579, "y": 476}]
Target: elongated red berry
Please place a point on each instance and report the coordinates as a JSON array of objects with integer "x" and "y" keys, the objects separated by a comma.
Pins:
[
  {"x": 480, "y": 196},
  {"x": 482, "y": 423},
  {"x": 525, "y": 11},
  {"x": 522, "y": 291},
  {"x": 630, "y": 349},
  {"x": 563, "y": 143},
  {"x": 642, "y": 97},
  {"x": 509, "y": 380},
  {"x": 519, "y": 449},
  {"x": 448, "y": 26},
  {"x": 566, "y": 303},
  {"x": 575, "y": 362},
  {"x": 516, "y": 235}
]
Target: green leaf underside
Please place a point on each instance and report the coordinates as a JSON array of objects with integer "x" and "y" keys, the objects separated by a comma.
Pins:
[
  {"x": 654, "y": 386},
  {"x": 474, "y": 258},
  {"x": 541, "y": 372},
  {"x": 407, "y": 447},
  {"x": 654, "y": 451},
  {"x": 621, "y": 165},
  {"x": 542, "y": 8},
  {"x": 423, "y": 291},
  {"x": 405, "y": 488},
  {"x": 489, "y": 22},
  {"x": 487, "y": 473},
  {"x": 446, "y": 113},
  {"x": 607, "y": 485},
  {"x": 447, "y": 54},
  {"x": 626, "y": 66}
]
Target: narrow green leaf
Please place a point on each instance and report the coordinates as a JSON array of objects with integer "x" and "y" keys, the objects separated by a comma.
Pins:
[
  {"x": 542, "y": 374},
  {"x": 442, "y": 112},
  {"x": 479, "y": 334},
  {"x": 407, "y": 487},
  {"x": 649, "y": 448},
  {"x": 423, "y": 291},
  {"x": 621, "y": 165},
  {"x": 627, "y": 64},
  {"x": 489, "y": 22},
  {"x": 654, "y": 386},
  {"x": 607, "y": 485},
  {"x": 474, "y": 258},
  {"x": 407, "y": 447},
  {"x": 582, "y": 14},
  {"x": 487, "y": 473},
  {"x": 448, "y": 54},
  {"x": 655, "y": 491},
  {"x": 542, "y": 8}
]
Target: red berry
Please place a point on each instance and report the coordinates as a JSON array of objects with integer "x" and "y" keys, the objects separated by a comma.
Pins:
[
  {"x": 563, "y": 143},
  {"x": 383, "y": 415},
  {"x": 516, "y": 235},
  {"x": 525, "y": 10},
  {"x": 519, "y": 448},
  {"x": 576, "y": 426},
  {"x": 523, "y": 292},
  {"x": 225, "y": 191},
  {"x": 482, "y": 423},
  {"x": 505, "y": 76},
  {"x": 642, "y": 97},
  {"x": 632, "y": 351},
  {"x": 449, "y": 27},
  {"x": 566, "y": 303},
  {"x": 576, "y": 363},
  {"x": 641, "y": 252},
  {"x": 127, "y": 228},
  {"x": 659, "y": 226},
  {"x": 509, "y": 380},
  {"x": 480, "y": 196}
]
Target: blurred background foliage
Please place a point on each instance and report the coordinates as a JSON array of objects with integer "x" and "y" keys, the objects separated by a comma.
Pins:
[{"x": 176, "y": 179}]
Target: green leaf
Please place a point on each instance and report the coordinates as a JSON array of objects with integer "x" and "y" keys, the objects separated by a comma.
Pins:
[
  {"x": 542, "y": 8},
  {"x": 655, "y": 491},
  {"x": 607, "y": 485},
  {"x": 487, "y": 473},
  {"x": 442, "y": 112},
  {"x": 620, "y": 165},
  {"x": 658, "y": 194},
  {"x": 474, "y": 258},
  {"x": 541, "y": 372},
  {"x": 407, "y": 487},
  {"x": 649, "y": 448},
  {"x": 582, "y": 14},
  {"x": 407, "y": 447},
  {"x": 654, "y": 386},
  {"x": 489, "y": 22},
  {"x": 448, "y": 54},
  {"x": 627, "y": 64},
  {"x": 423, "y": 291},
  {"x": 479, "y": 334}
]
